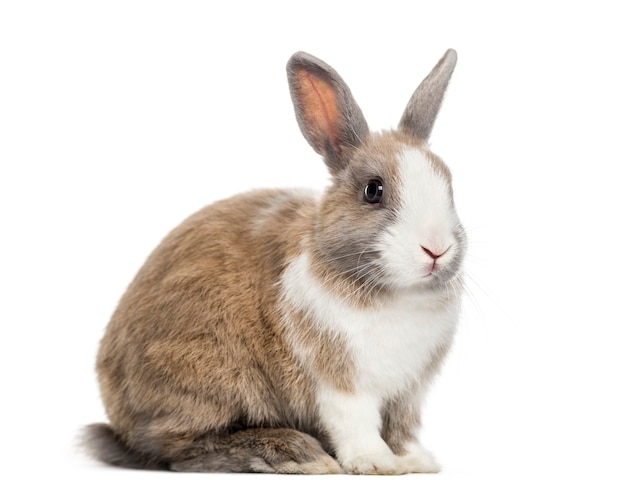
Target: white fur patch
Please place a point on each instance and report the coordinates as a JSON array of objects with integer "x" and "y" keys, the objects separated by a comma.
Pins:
[
  {"x": 390, "y": 344},
  {"x": 426, "y": 219}
]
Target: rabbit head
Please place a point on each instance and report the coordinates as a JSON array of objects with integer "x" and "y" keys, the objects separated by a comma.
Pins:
[{"x": 388, "y": 220}]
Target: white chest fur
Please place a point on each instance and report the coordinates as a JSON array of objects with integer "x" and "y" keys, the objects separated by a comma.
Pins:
[{"x": 390, "y": 345}]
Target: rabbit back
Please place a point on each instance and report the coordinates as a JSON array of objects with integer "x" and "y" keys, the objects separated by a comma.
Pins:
[{"x": 195, "y": 342}]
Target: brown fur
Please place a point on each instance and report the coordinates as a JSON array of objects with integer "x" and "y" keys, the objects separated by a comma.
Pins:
[{"x": 195, "y": 326}]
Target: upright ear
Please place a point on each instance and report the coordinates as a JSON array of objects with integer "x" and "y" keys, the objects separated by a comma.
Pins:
[
  {"x": 421, "y": 111},
  {"x": 327, "y": 114}
]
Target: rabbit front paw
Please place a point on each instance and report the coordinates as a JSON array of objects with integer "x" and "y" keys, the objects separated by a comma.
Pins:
[
  {"x": 386, "y": 464},
  {"x": 420, "y": 460}
]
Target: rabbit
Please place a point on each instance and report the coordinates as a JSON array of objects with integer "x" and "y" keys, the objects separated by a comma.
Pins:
[{"x": 285, "y": 331}]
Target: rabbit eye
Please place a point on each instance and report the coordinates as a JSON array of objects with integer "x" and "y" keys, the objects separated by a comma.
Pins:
[{"x": 373, "y": 192}]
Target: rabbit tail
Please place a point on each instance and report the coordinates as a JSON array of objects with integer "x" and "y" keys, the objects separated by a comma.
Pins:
[{"x": 103, "y": 444}]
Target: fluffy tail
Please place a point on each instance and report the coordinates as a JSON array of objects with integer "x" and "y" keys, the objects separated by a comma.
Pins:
[
  {"x": 103, "y": 444},
  {"x": 282, "y": 451}
]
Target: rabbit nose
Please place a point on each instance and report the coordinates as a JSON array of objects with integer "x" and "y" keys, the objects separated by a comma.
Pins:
[{"x": 435, "y": 254}]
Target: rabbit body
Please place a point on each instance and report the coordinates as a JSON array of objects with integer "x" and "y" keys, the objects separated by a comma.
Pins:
[{"x": 285, "y": 331}]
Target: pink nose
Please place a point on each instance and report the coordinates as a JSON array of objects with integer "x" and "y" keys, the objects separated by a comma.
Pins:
[{"x": 433, "y": 254}]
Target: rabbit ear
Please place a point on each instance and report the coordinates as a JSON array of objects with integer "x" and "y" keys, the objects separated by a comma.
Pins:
[
  {"x": 421, "y": 111},
  {"x": 327, "y": 114}
]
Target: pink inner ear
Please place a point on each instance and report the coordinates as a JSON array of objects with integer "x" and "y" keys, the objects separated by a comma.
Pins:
[{"x": 319, "y": 106}]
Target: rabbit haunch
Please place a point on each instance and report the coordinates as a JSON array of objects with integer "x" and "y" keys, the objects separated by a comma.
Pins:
[{"x": 281, "y": 331}]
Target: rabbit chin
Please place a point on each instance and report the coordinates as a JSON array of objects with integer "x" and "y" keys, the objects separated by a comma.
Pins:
[{"x": 443, "y": 279}]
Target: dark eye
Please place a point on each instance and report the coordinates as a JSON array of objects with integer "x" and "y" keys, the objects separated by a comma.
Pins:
[{"x": 373, "y": 192}]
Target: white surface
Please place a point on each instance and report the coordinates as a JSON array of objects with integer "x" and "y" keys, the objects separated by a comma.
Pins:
[{"x": 120, "y": 118}]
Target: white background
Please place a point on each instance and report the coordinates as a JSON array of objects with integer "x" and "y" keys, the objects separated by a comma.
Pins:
[{"x": 120, "y": 118}]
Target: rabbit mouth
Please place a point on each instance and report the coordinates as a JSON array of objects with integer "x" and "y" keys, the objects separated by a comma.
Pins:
[
  {"x": 439, "y": 274},
  {"x": 434, "y": 269}
]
